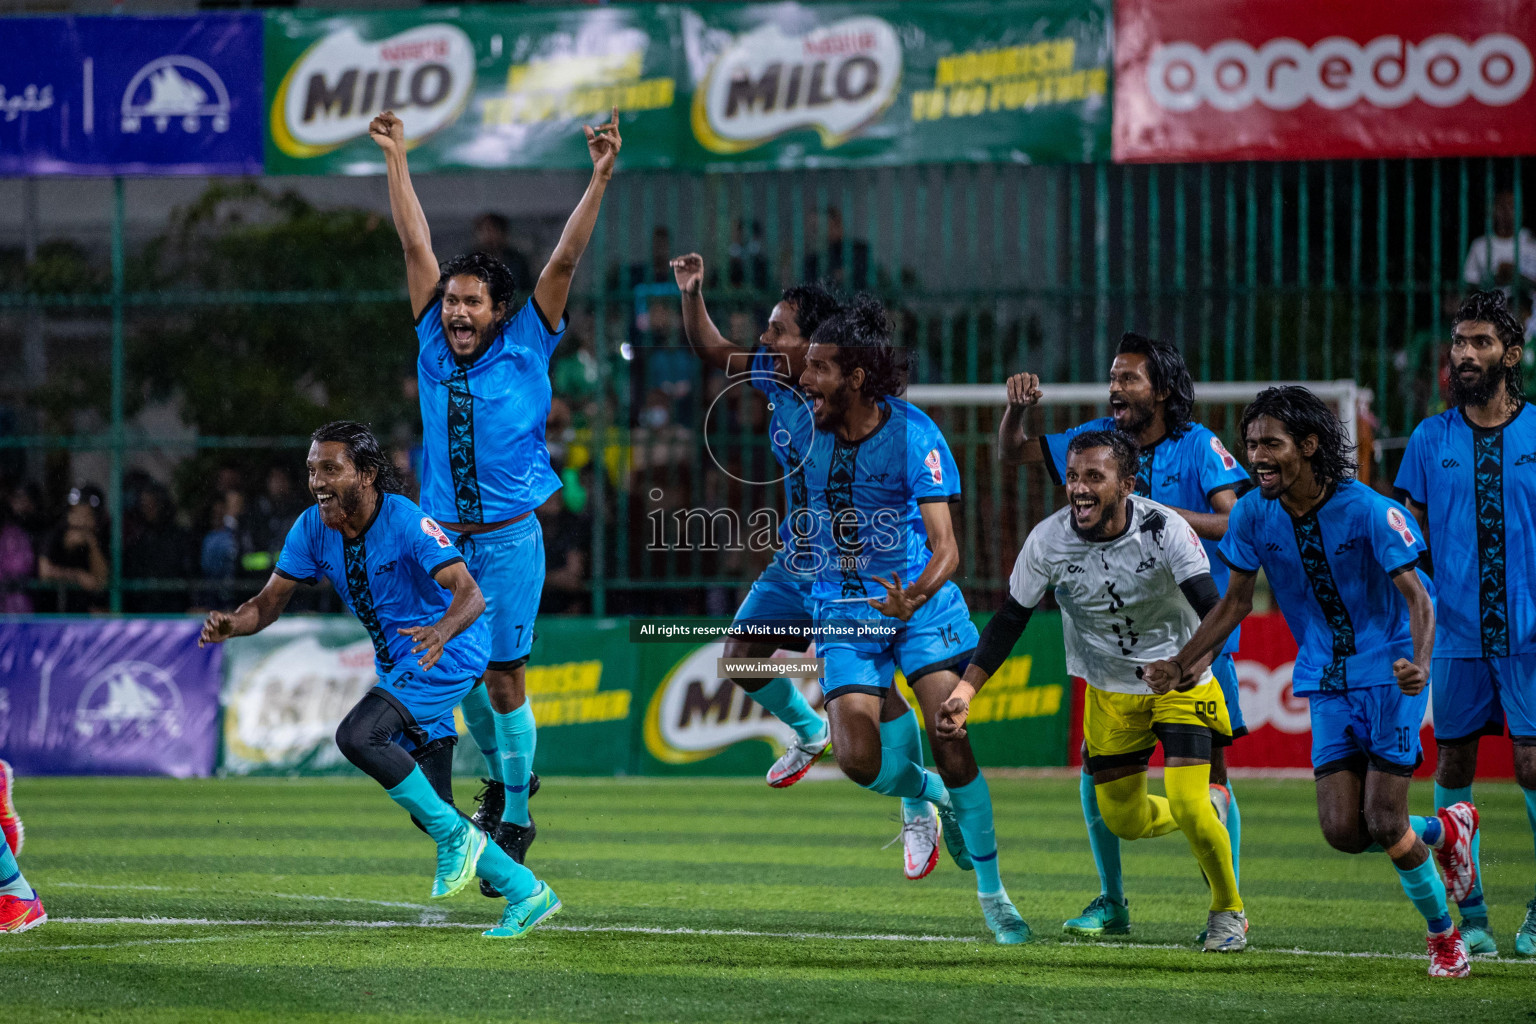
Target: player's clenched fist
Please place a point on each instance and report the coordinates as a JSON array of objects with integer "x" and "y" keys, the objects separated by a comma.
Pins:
[
  {"x": 689, "y": 271},
  {"x": 388, "y": 131},
  {"x": 1410, "y": 678},
  {"x": 1024, "y": 390},
  {"x": 950, "y": 722},
  {"x": 217, "y": 627},
  {"x": 1161, "y": 676}
]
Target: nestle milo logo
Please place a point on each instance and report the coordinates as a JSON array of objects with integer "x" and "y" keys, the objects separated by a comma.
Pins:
[
  {"x": 335, "y": 88},
  {"x": 835, "y": 79}
]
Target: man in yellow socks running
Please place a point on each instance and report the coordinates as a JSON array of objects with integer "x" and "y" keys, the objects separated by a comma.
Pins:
[{"x": 1133, "y": 582}]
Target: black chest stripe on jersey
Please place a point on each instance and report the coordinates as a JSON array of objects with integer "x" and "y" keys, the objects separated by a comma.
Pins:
[
  {"x": 1144, "y": 473},
  {"x": 799, "y": 519},
  {"x": 1314, "y": 562},
  {"x": 461, "y": 447},
  {"x": 1488, "y": 483},
  {"x": 355, "y": 555},
  {"x": 845, "y": 523}
]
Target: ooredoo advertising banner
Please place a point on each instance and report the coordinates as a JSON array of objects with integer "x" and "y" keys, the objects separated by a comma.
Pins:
[
  {"x": 108, "y": 697},
  {"x": 129, "y": 95},
  {"x": 1320, "y": 79}
]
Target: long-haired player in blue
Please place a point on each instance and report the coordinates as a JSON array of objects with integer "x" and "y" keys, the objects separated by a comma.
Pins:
[
  {"x": 1184, "y": 466},
  {"x": 1342, "y": 562},
  {"x": 879, "y": 479},
  {"x": 483, "y": 378},
  {"x": 778, "y": 611},
  {"x": 398, "y": 572},
  {"x": 1470, "y": 477}
]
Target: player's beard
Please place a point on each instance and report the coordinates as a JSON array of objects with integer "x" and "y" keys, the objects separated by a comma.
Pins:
[
  {"x": 834, "y": 409},
  {"x": 346, "y": 505},
  {"x": 1479, "y": 390},
  {"x": 1138, "y": 416}
]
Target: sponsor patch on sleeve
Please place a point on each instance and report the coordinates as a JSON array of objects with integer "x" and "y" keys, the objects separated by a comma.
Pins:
[
  {"x": 431, "y": 529},
  {"x": 1227, "y": 461},
  {"x": 935, "y": 467},
  {"x": 1398, "y": 523}
]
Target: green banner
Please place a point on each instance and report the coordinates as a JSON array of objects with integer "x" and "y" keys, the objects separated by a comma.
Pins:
[
  {"x": 712, "y": 86},
  {"x": 695, "y": 723},
  {"x": 288, "y": 687},
  {"x": 800, "y": 85},
  {"x": 476, "y": 87}
]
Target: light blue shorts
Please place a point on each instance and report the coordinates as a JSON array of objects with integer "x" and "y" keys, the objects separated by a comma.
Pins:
[
  {"x": 508, "y": 564},
  {"x": 939, "y": 636}
]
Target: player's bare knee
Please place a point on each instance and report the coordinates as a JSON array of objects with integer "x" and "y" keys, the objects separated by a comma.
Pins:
[
  {"x": 861, "y": 770},
  {"x": 505, "y": 688},
  {"x": 1456, "y": 764},
  {"x": 1386, "y": 825}
]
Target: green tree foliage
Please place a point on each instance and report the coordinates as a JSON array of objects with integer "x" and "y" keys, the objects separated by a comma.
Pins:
[{"x": 263, "y": 368}]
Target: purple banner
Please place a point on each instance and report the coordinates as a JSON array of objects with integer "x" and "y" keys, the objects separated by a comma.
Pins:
[
  {"x": 124, "y": 95},
  {"x": 108, "y": 697}
]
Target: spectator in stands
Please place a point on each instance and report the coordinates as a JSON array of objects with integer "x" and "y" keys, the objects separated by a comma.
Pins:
[
  {"x": 18, "y": 559},
  {"x": 221, "y": 546},
  {"x": 155, "y": 547},
  {"x": 567, "y": 541},
  {"x": 74, "y": 557},
  {"x": 747, "y": 265},
  {"x": 493, "y": 237},
  {"x": 273, "y": 513},
  {"x": 827, "y": 265},
  {"x": 1491, "y": 258}
]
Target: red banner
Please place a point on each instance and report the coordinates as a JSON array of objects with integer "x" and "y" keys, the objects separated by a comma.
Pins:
[
  {"x": 1279, "y": 724},
  {"x": 1321, "y": 79}
]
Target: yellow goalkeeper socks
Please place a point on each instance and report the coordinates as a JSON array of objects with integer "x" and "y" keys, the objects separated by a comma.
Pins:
[
  {"x": 1189, "y": 799},
  {"x": 1131, "y": 812}
]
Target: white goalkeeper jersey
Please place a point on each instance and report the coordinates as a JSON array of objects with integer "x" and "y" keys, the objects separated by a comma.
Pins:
[{"x": 1120, "y": 599}]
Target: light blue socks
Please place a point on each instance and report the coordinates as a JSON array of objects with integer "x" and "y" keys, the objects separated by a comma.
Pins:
[
  {"x": 441, "y": 821},
  {"x": 1473, "y": 905},
  {"x": 1427, "y": 891},
  {"x": 1530, "y": 812},
  {"x": 11, "y": 881},
  {"x": 417, "y": 796},
  {"x": 783, "y": 701},
  {"x": 903, "y": 738},
  {"x": 1104, "y": 843},
  {"x": 903, "y": 778},
  {"x": 1234, "y": 832},
  {"x": 973, "y": 808},
  {"x": 517, "y": 738},
  {"x": 481, "y": 720}
]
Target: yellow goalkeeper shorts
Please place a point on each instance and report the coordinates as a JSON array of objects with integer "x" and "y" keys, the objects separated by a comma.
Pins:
[{"x": 1123, "y": 729}]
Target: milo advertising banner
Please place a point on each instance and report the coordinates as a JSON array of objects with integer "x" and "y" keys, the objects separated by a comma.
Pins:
[
  {"x": 699, "y": 724},
  {"x": 477, "y": 87},
  {"x": 796, "y": 85},
  {"x": 716, "y": 85},
  {"x": 288, "y": 687}
]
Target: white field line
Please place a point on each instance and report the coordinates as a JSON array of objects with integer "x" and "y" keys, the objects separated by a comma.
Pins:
[
  {"x": 207, "y": 922},
  {"x": 139, "y": 942},
  {"x": 245, "y": 892}
]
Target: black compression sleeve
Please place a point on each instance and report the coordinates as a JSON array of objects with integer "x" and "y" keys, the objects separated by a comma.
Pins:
[
  {"x": 1200, "y": 592},
  {"x": 1002, "y": 632}
]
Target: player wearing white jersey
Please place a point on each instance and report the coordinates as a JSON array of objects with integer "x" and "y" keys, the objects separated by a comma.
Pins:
[{"x": 1133, "y": 583}]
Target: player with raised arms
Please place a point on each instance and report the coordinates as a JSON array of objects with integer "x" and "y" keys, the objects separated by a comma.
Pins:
[
  {"x": 1341, "y": 561},
  {"x": 1470, "y": 479},
  {"x": 482, "y": 374},
  {"x": 780, "y": 598},
  {"x": 879, "y": 479},
  {"x": 1133, "y": 582},
  {"x": 1182, "y": 465},
  {"x": 398, "y": 572}
]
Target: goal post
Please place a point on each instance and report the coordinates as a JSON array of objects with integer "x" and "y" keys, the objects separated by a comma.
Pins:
[{"x": 1343, "y": 396}]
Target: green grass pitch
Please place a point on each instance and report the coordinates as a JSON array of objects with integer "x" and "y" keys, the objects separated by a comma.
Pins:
[{"x": 708, "y": 900}]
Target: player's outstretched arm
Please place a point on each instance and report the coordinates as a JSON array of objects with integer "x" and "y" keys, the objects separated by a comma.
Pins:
[
  {"x": 703, "y": 336},
  {"x": 995, "y": 646},
  {"x": 421, "y": 269},
  {"x": 1173, "y": 673},
  {"x": 463, "y": 610},
  {"x": 1014, "y": 447},
  {"x": 1413, "y": 676},
  {"x": 554, "y": 287},
  {"x": 1211, "y": 525},
  {"x": 253, "y": 616}
]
